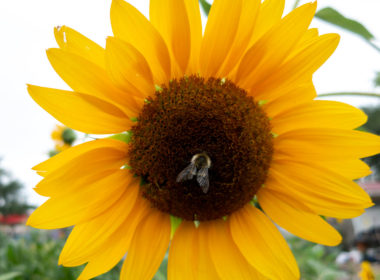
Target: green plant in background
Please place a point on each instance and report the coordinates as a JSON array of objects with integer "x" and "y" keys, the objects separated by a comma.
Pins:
[
  {"x": 373, "y": 126},
  {"x": 11, "y": 200},
  {"x": 316, "y": 261},
  {"x": 35, "y": 257}
]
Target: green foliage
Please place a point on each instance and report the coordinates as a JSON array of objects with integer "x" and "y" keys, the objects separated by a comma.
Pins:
[
  {"x": 205, "y": 6},
  {"x": 373, "y": 126},
  {"x": 9, "y": 276},
  {"x": 316, "y": 261},
  {"x": 35, "y": 257},
  {"x": 334, "y": 17},
  {"x": 377, "y": 79},
  {"x": 11, "y": 201}
]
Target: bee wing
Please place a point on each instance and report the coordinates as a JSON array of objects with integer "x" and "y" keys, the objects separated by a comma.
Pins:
[
  {"x": 187, "y": 174},
  {"x": 202, "y": 179}
]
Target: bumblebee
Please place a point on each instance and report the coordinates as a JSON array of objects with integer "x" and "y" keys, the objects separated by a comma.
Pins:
[{"x": 199, "y": 166}]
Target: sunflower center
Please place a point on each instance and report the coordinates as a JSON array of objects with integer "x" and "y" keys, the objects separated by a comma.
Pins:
[{"x": 203, "y": 148}]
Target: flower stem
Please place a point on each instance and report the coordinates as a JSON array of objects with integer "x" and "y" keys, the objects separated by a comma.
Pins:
[
  {"x": 350, "y": 94},
  {"x": 373, "y": 45}
]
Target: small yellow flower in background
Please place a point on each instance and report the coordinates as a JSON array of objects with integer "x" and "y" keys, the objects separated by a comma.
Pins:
[
  {"x": 366, "y": 272},
  {"x": 61, "y": 147},
  {"x": 214, "y": 122},
  {"x": 56, "y": 134},
  {"x": 63, "y": 137}
]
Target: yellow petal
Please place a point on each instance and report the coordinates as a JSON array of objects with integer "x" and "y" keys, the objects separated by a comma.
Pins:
[
  {"x": 83, "y": 170},
  {"x": 303, "y": 64},
  {"x": 205, "y": 269},
  {"x": 107, "y": 254},
  {"x": 327, "y": 144},
  {"x": 81, "y": 112},
  {"x": 182, "y": 261},
  {"x": 292, "y": 216},
  {"x": 131, "y": 26},
  {"x": 318, "y": 179},
  {"x": 270, "y": 51},
  {"x": 86, "y": 77},
  {"x": 111, "y": 251},
  {"x": 194, "y": 15},
  {"x": 86, "y": 238},
  {"x": 262, "y": 244},
  {"x": 284, "y": 99},
  {"x": 171, "y": 20},
  {"x": 320, "y": 113},
  {"x": 148, "y": 247},
  {"x": 270, "y": 14},
  {"x": 228, "y": 261},
  {"x": 315, "y": 184},
  {"x": 309, "y": 36},
  {"x": 72, "y": 41},
  {"x": 321, "y": 204},
  {"x": 81, "y": 206},
  {"x": 64, "y": 157},
  {"x": 250, "y": 9},
  {"x": 351, "y": 169},
  {"x": 220, "y": 33},
  {"x": 128, "y": 68},
  {"x": 189, "y": 256}
]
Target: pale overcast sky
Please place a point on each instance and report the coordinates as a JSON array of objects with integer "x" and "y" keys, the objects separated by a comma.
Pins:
[{"x": 26, "y": 29}]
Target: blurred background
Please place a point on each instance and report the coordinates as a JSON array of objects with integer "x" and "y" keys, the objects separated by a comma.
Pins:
[{"x": 29, "y": 135}]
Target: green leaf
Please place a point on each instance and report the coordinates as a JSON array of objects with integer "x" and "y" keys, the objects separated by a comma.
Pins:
[
  {"x": 10, "y": 275},
  {"x": 377, "y": 79},
  {"x": 175, "y": 223},
  {"x": 124, "y": 137},
  {"x": 205, "y": 6},
  {"x": 162, "y": 271},
  {"x": 332, "y": 16}
]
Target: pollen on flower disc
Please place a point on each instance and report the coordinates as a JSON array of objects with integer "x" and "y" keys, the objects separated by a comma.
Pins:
[{"x": 191, "y": 116}]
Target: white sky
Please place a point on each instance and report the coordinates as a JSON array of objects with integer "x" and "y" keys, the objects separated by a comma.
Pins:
[{"x": 26, "y": 29}]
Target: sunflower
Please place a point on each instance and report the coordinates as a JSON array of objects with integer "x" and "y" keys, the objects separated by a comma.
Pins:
[
  {"x": 63, "y": 137},
  {"x": 221, "y": 138}
]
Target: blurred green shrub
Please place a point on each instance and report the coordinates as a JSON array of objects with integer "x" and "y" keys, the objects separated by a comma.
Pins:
[
  {"x": 316, "y": 261},
  {"x": 35, "y": 257}
]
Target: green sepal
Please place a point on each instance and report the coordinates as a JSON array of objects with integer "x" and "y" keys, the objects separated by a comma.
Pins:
[
  {"x": 175, "y": 222},
  {"x": 124, "y": 137},
  {"x": 126, "y": 166},
  {"x": 274, "y": 135},
  {"x": 205, "y": 6},
  {"x": 158, "y": 88},
  {"x": 262, "y": 102}
]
